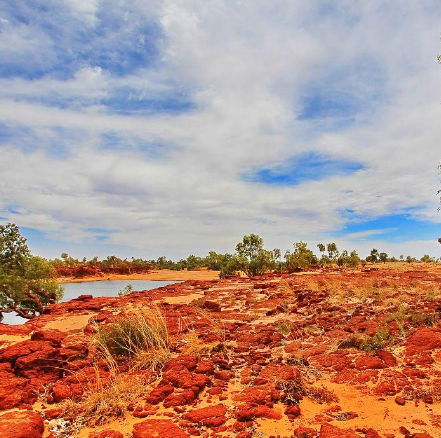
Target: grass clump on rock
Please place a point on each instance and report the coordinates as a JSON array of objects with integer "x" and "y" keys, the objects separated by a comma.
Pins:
[
  {"x": 133, "y": 342},
  {"x": 141, "y": 337}
]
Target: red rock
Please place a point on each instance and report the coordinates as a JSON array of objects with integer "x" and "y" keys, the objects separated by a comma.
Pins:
[
  {"x": 106, "y": 434},
  {"x": 158, "y": 429},
  {"x": 21, "y": 424},
  {"x": 61, "y": 392},
  {"x": 292, "y": 411},
  {"x": 243, "y": 434},
  {"x": 180, "y": 362},
  {"x": 334, "y": 361},
  {"x": 211, "y": 305},
  {"x": 422, "y": 435},
  {"x": 305, "y": 432},
  {"x": 180, "y": 399},
  {"x": 159, "y": 394},
  {"x": 205, "y": 416},
  {"x": 387, "y": 357},
  {"x": 400, "y": 401},
  {"x": 55, "y": 337},
  {"x": 258, "y": 395},
  {"x": 371, "y": 433},
  {"x": 205, "y": 367},
  {"x": 404, "y": 431},
  {"x": 275, "y": 373},
  {"x": 428, "y": 399},
  {"x": 424, "y": 339},
  {"x": 244, "y": 414},
  {"x": 51, "y": 414},
  {"x": 36, "y": 360},
  {"x": 266, "y": 412},
  {"x": 367, "y": 362},
  {"x": 140, "y": 414},
  {"x": 329, "y": 431},
  {"x": 12, "y": 391}
]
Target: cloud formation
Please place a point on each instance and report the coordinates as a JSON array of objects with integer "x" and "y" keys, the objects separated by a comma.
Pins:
[{"x": 142, "y": 118}]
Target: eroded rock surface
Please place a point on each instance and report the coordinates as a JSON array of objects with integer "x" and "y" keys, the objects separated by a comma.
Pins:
[{"x": 324, "y": 354}]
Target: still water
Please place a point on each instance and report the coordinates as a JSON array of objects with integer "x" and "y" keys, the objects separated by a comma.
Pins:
[{"x": 96, "y": 289}]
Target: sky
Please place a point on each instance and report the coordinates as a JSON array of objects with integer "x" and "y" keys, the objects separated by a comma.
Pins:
[{"x": 148, "y": 128}]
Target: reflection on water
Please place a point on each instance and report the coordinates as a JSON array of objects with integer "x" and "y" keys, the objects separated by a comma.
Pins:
[{"x": 96, "y": 289}]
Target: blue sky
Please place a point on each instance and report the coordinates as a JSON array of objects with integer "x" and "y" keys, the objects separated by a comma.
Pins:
[{"x": 167, "y": 127}]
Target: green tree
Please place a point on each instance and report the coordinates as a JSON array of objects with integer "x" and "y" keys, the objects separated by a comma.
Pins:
[
  {"x": 332, "y": 251},
  {"x": 383, "y": 257},
  {"x": 251, "y": 257},
  {"x": 351, "y": 260},
  {"x": 27, "y": 283},
  {"x": 215, "y": 261},
  {"x": 277, "y": 254},
  {"x": 374, "y": 256},
  {"x": 427, "y": 259},
  {"x": 300, "y": 258}
]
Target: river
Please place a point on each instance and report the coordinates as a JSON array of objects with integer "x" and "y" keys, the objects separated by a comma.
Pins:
[{"x": 97, "y": 289}]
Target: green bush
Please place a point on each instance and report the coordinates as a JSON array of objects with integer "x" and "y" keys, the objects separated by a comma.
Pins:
[{"x": 379, "y": 341}]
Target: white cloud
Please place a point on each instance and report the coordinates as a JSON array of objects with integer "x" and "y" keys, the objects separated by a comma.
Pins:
[{"x": 247, "y": 68}]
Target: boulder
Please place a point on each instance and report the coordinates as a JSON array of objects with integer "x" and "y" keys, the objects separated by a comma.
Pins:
[
  {"x": 424, "y": 339},
  {"x": 367, "y": 362},
  {"x": 211, "y": 416},
  {"x": 21, "y": 424}
]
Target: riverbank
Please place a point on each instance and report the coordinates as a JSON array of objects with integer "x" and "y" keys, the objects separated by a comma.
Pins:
[{"x": 154, "y": 275}]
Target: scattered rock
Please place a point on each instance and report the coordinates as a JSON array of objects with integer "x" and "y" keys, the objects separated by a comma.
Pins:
[{"x": 400, "y": 401}]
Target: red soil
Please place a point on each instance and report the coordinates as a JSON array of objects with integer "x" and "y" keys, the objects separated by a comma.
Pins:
[{"x": 266, "y": 357}]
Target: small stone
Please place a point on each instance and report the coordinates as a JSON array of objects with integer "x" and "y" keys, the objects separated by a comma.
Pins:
[{"x": 400, "y": 401}]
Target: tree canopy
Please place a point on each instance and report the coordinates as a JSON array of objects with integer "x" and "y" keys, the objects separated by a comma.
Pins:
[{"x": 27, "y": 283}]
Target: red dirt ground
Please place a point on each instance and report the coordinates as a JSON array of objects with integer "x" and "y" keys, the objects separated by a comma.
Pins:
[{"x": 326, "y": 353}]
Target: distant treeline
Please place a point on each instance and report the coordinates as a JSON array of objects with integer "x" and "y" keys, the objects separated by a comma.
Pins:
[{"x": 250, "y": 257}]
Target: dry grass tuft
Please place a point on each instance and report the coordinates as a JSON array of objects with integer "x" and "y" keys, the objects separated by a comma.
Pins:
[
  {"x": 133, "y": 342},
  {"x": 322, "y": 395},
  {"x": 104, "y": 402},
  {"x": 140, "y": 336}
]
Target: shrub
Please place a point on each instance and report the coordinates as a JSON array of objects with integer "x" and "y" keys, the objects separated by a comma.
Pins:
[
  {"x": 103, "y": 402},
  {"x": 140, "y": 336},
  {"x": 379, "y": 341},
  {"x": 284, "y": 327},
  {"x": 125, "y": 291},
  {"x": 322, "y": 395}
]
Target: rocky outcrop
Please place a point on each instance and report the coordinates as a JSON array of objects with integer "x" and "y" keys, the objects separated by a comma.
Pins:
[{"x": 247, "y": 355}]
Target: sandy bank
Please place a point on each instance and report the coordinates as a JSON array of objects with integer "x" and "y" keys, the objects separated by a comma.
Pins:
[{"x": 158, "y": 275}]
